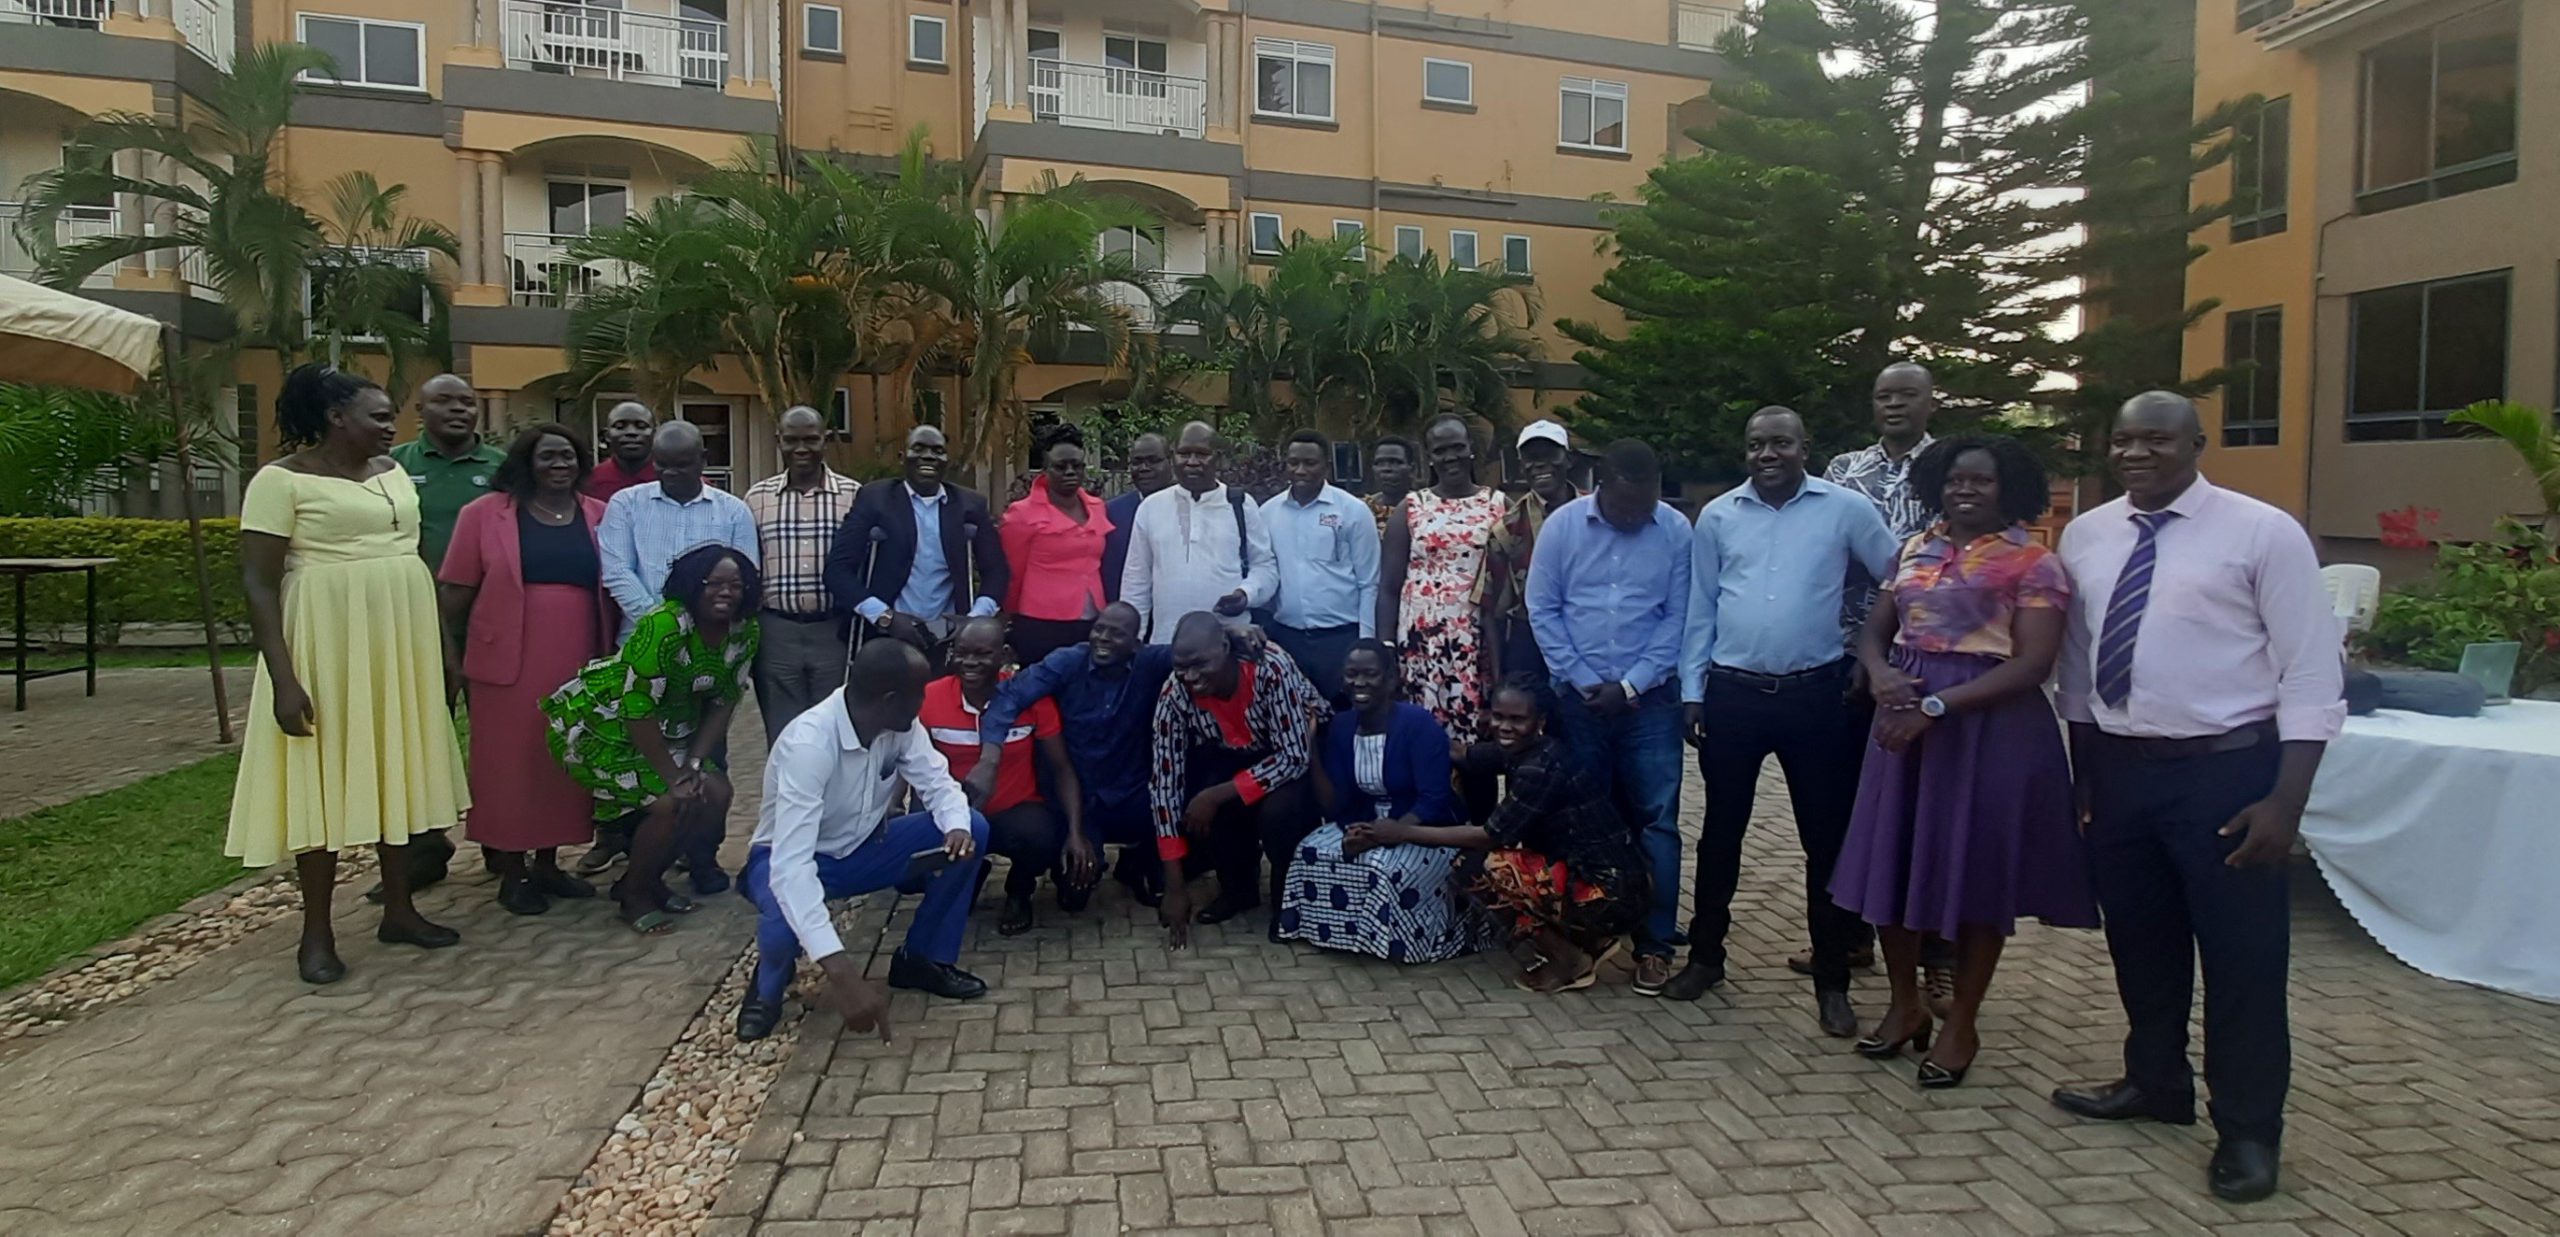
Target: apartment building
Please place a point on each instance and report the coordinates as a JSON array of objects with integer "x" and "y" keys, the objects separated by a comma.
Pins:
[
  {"x": 2386, "y": 262},
  {"x": 1487, "y": 131}
]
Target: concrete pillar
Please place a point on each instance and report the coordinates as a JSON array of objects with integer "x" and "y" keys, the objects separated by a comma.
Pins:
[
  {"x": 473, "y": 259},
  {"x": 493, "y": 253},
  {"x": 1017, "y": 54}
]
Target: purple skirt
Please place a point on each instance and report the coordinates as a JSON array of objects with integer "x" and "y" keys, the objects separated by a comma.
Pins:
[{"x": 1970, "y": 825}]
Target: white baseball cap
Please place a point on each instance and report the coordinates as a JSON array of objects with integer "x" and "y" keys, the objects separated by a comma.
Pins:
[{"x": 1543, "y": 431}]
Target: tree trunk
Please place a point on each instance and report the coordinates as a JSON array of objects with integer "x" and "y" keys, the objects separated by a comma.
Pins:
[{"x": 195, "y": 533}]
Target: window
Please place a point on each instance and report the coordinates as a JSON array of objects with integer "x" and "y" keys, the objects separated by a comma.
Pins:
[
  {"x": 1448, "y": 81},
  {"x": 840, "y": 414},
  {"x": 2261, "y": 144},
  {"x": 1409, "y": 243},
  {"x": 584, "y": 207},
  {"x": 1347, "y": 464},
  {"x": 2252, "y": 347},
  {"x": 1595, "y": 114},
  {"x": 822, "y": 29},
  {"x": 2440, "y": 111},
  {"x": 1265, "y": 233},
  {"x": 2423, "y": 350},
  {"x": 1462, "y": 250},
  {"x": 1515, "y": 255},
  {"x": 1293, "y": 79},
  {"x": 1048, "y": 81},
  {"x": 1143, "y": 247},
  {"x": 925, "y": 39},
  {"x": 2255, "y": 13},
  {"x": 1122, "y": 51},
  {"x": 390, "y": 54}
]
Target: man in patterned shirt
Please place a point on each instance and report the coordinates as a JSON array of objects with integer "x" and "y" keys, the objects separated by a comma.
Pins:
[
  {"x": 1233, "y": 731},
  {"x": 797, "y": 513}
]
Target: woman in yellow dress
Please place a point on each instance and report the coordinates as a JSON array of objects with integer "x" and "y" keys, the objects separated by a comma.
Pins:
[{"x": 350, "y": 736}]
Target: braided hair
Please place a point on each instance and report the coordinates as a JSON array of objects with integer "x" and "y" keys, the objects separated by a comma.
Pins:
[{"x": 311, "y": 392}]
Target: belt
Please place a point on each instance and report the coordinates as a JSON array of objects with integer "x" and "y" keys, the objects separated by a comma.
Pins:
[
  {"x": 821, "y": 616},
  {"x": 1775, "y": 683},
  {"x": 2240, "y": 740},
  {"x": 1335, "y": 630}
]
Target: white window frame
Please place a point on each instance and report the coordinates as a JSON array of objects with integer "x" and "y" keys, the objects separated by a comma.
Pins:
[
  {"x": 1475, "y": 253},
  {"x": 302, "y": 32},
  {"x": 1409, "y": 243},
  {"x": 1253, "y": 237},
  {"x": 809, "y": 41},
  {"x": 1296, "y": 53},
  {"x": 916, "y": 22},
  {"x": 1527, "y": 254},
  {"x": 840, "y": 415},
  {"x": 630, "y": 203},
  {"x": 1595, "y": 89},
  {"x": 1429, "y": 62}
]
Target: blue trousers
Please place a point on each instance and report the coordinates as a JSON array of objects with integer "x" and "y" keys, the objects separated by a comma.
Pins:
[
  {"x": 879, "y": 863},
  {"x": 1637, "y": 754}
]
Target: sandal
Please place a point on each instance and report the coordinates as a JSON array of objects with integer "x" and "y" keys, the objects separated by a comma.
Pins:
[
  {"x": 678, "y": 904},
  {"x": 651, "y": 923}
]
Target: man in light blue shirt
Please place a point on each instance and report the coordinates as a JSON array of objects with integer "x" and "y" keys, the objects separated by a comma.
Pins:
[
  {"x": 1608, "y": 593},
  {"x": 647, "y": 526},
  {"x": 1326, "y": 549},
  {"x": 1764, "y": 674}
]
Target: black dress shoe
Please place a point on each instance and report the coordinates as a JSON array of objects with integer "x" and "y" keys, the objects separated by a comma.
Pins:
[
  {"x": 2123, "y": 1101},
  {"x": 756, "y": 1019},
  {"x": 521, "y": 897},
  {"x": 1839, "y": 1021},
  {"x": 2243, "y": 1171},
  {"x": 1222, "y": 908},
  {"x": 707, "y": 878},
  {"x": 1072, "y": 899},
  {"x": 424, "y": 936},
  {"x": 1694, "y": 980},
  {"x": 938, "y": 978}
]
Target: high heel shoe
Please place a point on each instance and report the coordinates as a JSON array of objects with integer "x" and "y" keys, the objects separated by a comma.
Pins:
[
  {"x": 1936, "y": 1077},
  {"x": 1880, "y": 1049}
]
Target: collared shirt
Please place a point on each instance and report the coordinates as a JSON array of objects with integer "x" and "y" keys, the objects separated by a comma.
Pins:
[
  {"x": 1326, "y": 553},
  {"x": 928, "y": 590},
  {"x": 1123, "y": 510},
  {"x": 1765, "y": 583},
  {"x": 445, "y": 484},
  {"x": 1271, "y": 714},
  {"x": 645, "y": 532},
  {"x": 1056, "y": 560},
  {"x": 1105, "y": 714},
  {"x": 611, "y": 478},
  {"x": 1961, "y": 599},
  {"x": 1504, "y": 581},
  {"x": 2238, "y": 628},
  {"x": 794, "y": 531},
  {"x": 826, "y": 793},
  {"x": 954, "y": 728},
  {"x": 1886, "y": 482},
  {"x": 1608, "y": 605},
  {"x": 1183, "y": 557}
]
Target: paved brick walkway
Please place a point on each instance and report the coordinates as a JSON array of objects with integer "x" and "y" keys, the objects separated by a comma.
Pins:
[{"x": 69, "y": 746}]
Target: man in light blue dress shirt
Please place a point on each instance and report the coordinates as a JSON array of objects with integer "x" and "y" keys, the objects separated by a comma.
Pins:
[
  {"x": 1763, "y": 673},
  {"x": 1608, "y": 595},
  {"x": 1326, "y": 548},
  {"x": 648, "y": 526}
]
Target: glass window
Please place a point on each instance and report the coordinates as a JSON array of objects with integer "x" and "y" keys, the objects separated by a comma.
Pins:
[
  {"x": 1448, "y": 81},
  {"x": 925, "y": 37},
  {"x": 1347, "y": 229},
  {"x": 1293, "y": 79},
  {"x": 1265, "y": 233},
  {"x": 1409, "y": 243},
  {"x": 367, "y": 52},
  {"x": 582, "y": 207},
  {"x": 1462, "y": 250},
  {"x": 1143, "y": 247},
  {"x": 2424, "y": 350},
  {"x": 1128, "y": 52},
  {"x": 2440, "y": 111},
  {"x": 822, "y": 28},
  {"x": 2253, "y": 349},
  {"x": 2260, "y": 162},
  {"x": 1595, "y": 114},
  {"x": 1515, "y": 255}
]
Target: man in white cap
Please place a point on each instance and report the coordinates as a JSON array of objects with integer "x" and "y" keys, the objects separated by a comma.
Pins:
[{"x": 1502, "y": 586}]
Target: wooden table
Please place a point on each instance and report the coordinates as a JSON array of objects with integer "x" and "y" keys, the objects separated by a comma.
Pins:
[{"x": 20, "y": 570}]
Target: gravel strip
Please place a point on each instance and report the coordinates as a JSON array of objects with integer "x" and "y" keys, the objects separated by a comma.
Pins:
[{"x": 163, "y": 949}]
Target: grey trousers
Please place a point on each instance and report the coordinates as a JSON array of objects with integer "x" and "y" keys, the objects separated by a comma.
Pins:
[{"x": 797, "y": 664}]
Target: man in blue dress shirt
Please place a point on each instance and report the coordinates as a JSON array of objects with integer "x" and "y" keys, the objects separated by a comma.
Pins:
[
  {"x": 1763, "y": 674},
  {"x": 1608, "y": 595},
  {"x": 1326, "y": 547}
]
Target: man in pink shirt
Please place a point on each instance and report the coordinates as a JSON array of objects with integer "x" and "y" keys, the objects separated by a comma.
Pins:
[{"x": 2201, "y": 679}]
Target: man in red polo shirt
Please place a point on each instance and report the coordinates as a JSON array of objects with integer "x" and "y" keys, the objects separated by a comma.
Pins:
[
  {"x": 626, "y": 461},
  {"x": 1036, "y": 835}
]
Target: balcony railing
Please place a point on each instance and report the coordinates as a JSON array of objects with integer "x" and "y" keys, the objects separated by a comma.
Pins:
[
  {"x": 206, "y": 25},
  {"x": 78, "y": 223},
  {"x": 1094, "y": 96},
  {"x": 541, "y": 274},
  {"x": 1702, "y": 24},
  {"x": 83, "y": 14},
  {"x": 584, "y": 40}
]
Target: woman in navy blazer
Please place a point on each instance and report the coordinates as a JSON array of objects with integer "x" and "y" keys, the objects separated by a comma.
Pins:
[{"x": 1384, "y": 761}]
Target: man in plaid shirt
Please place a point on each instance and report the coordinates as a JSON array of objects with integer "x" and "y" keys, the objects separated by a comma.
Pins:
[{"x": 797, "y": 513}]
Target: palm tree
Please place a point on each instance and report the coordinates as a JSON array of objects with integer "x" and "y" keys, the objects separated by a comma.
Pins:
[
  {"x": 1249, "y": 323},
  {"x": 1458, "y": 333},
  {"x": 372, "y": 284},
  {"x": 647, "y": 331}
]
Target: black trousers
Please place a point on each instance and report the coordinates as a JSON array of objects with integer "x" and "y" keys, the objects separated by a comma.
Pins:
[
  {"x": 1245, "y": 833},
  {"x": 1033, "y": 639},
  {"x": 1319, "y": 652},
  {"x": 1819, "y": 741},
  {"x": 1031, "y": 835},
  {"x": 2156, "y": 851}
]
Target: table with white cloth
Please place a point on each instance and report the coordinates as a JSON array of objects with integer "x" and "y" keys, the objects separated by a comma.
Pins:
[{"x": 2441, "y": 835}]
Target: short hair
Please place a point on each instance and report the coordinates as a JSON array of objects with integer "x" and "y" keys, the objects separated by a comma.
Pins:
[
  {"x": 1463, "y": 424},
  {"x": 2024, "y": 492},
  {"x": 686, "y": 575},
  {"x": 675, "y": 436},
  {"x": 1386, "y": 655},
  {"x": 1412, "y": 453},
  {"x": 1197, "y": 623},
  {"x": 310, "y": 393},
  {"x": 1631, "y": 459},
  {"x": 1050, "y": 437},
  {"x": 1530, "y": 687},
  {"x": 515, "y": 473},
  {"x": 878, "y": 659},
  {"x": 1323, "y": 443}
]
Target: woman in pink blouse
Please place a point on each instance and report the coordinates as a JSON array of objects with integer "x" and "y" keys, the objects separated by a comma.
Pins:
[{"x": 1053, "y": 539}]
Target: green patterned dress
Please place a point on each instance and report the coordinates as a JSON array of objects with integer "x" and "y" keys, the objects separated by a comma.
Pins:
[{"x": 664, "y": 671}]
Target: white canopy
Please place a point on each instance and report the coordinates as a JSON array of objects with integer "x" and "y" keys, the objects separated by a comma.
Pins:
[{"x": 68, "y": 340}]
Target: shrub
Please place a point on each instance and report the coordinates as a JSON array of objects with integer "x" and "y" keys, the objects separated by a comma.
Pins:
[
  {"x": 2507, "y": 588},
  {"x": 153, "y": 579}
]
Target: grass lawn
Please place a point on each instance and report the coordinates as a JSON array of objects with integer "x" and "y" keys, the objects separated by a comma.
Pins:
[{"x": 92, "y": 869}]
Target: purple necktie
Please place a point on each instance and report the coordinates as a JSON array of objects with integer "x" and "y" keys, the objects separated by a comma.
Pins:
[{"x": 2124, "y": 610}]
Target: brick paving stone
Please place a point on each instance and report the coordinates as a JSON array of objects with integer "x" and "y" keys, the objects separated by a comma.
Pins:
[{"x": 69, "y": 746}]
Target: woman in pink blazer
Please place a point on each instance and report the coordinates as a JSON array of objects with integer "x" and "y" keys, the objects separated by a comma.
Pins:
[{"x": 524, "y": 608}]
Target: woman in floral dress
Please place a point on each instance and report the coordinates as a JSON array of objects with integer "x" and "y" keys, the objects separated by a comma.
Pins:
[{"x": 1435, "y": 546}]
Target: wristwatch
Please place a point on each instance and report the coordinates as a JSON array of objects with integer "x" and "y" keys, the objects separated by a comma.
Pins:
[{"x": 1932, "y": 706}]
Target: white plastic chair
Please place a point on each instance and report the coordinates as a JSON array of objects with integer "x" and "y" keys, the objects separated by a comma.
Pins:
[{"x": 2355, "y": 593}]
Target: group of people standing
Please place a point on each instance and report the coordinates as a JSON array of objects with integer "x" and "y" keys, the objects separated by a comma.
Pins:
[{"x": 1414, "y": 725}]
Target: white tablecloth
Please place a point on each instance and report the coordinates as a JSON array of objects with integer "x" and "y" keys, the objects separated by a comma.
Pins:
[{"x": 2441, "y": 835}]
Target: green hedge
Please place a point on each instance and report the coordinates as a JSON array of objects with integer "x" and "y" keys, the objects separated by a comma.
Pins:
[{"x": 152, "y": 581}]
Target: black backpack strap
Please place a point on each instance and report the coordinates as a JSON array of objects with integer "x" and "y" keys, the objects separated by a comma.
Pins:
[{"x": 1236, "y": 498}]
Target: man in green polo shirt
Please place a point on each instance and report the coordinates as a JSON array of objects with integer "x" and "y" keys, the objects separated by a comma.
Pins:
[{"x": 447, "y": 462}]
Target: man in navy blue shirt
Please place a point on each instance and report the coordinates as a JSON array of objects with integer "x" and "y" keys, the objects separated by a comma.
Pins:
[
  {"x": 1106, "y": 692},
  {"x": 1150, "y": 469}
]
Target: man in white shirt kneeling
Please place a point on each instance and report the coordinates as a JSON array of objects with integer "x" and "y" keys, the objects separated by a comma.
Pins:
[{"x": 824, "y": 833}]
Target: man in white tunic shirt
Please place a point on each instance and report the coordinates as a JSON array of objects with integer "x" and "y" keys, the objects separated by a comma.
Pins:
[
  {"x": 824, "y": 833},
  {"x": 1197, "y": 545}
]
